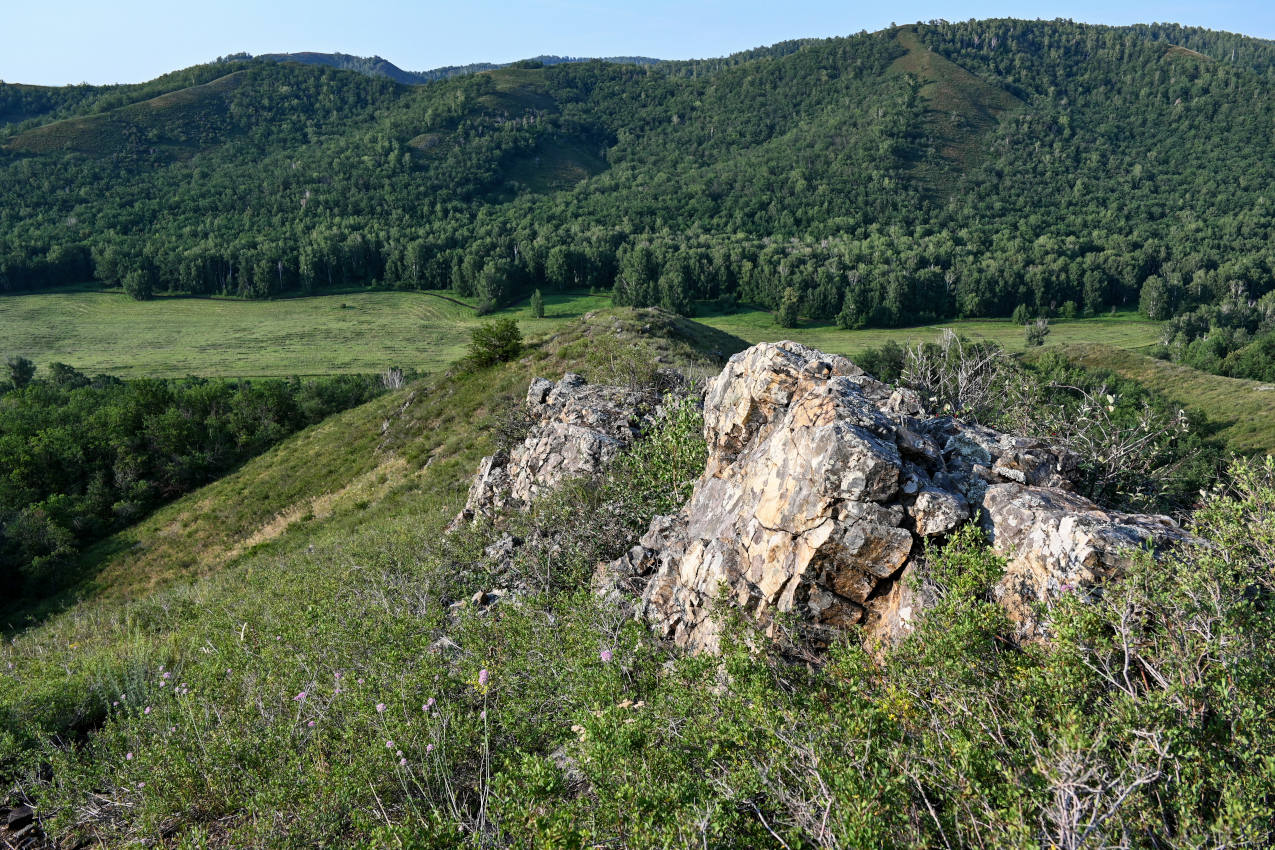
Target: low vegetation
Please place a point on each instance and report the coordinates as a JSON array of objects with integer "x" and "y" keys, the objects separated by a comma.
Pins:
[{"x": 250, "y": 707}]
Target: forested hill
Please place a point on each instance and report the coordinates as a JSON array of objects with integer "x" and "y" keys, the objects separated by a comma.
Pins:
[
  {"x": 375, "y": 66},
  {"x": 887, "y": 178}
]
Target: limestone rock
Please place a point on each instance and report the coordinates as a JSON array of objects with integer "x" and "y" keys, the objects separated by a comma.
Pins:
[
  {"x": 820, "y": 486},
  {"x": 1058, "y": 542},
  {"x": 577, "y": 430}
]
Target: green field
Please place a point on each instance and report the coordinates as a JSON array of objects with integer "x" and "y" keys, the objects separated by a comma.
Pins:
[
  {"x": 324, "y": 334},
  {"x": 97, "y": 331},
  {"x": 1122, "y": 330},
  {"x": 1244, "y": 411}
]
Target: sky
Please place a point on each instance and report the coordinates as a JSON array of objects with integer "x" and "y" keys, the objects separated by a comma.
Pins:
[{"x": 60, "y": 42}]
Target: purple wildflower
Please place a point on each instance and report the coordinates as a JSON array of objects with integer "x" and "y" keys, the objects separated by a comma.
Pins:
[
  {"x": 482, "y": 677},
  {"x": 128, "y": 757},
  {"x": 605, "y": 656},
  {"x": 380, "y": 707},
  {"x": 299, "y": 697}
]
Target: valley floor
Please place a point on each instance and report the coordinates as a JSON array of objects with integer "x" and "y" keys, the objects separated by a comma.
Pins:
[{"x": 363, "y": 331}]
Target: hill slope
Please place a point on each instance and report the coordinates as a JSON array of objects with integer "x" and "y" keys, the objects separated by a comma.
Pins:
[{"x": 884, "y": 179}]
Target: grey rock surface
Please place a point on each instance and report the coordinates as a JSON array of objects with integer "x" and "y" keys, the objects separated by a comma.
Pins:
[{"x": 577, "y": 429}]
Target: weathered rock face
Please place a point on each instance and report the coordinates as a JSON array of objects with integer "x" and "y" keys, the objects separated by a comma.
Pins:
[
  {"x": 577, "y": 430},
  {"x": 820, "y": 487}
]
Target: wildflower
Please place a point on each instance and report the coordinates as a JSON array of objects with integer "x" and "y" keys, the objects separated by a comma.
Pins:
[
  {"x": 605, "y": 656},
  {"x": 429, "y": 748},
  {"x": 310, "y": 724},
  {"x": 398, "y": 753},
  {"x": 147, "y": 711},
  {"x": 380, "y": 707},
  {"x": 482, "y": 677},
  {"x": 141, "y": 785},
  {"x": 389, "y": 745},
  {"x": 360, "y": 681},
  {"x": 402, "y": 762},
  {"x": 299, "y": 697},
  {"x": 168, "y": 675},
  {"x": 483, "y": 714},
  {"x": 114, "y": 703},
  {"x": 128, "y": 757},
  {"x": 429, "y": 703}
]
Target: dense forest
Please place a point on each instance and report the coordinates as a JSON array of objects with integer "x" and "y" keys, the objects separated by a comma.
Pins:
[
  {"x": 925, "y": 172},
  {"x": 84, "y": 456}
]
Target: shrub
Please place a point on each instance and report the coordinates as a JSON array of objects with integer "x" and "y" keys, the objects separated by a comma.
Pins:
[
  {"x": 495, "y": 342},
  {"x": 1036, "y": 331}
]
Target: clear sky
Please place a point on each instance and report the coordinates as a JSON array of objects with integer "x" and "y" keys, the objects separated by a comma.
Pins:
[{"x": 56, "y": 42}]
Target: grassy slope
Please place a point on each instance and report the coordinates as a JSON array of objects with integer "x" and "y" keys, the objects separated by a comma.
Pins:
[
  {"x": 239, "y": 760},
  {"x": 961, "y": 107},
  {"x": 174, "y": 337},
  {"x": 188, "y": 109},
  {"x": 418, "y": 444},
  {"x": 1244, "y": 409}
]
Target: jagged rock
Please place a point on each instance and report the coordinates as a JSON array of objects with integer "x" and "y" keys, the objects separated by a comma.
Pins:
[
  {"x": 1057, "y": 542},
  {"x": 820, "y": 485},
  {"x": 578, "y": 429}
]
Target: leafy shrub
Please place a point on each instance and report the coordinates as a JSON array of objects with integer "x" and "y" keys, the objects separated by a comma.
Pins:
[{"x": 494, "y": 342}]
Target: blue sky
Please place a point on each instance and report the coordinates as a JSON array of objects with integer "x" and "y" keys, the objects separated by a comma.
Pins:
[{"x": 55, "y": 43}]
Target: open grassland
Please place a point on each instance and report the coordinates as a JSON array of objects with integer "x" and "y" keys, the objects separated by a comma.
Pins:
[
  {"x": 1244, "y": 410},
  {"x": 1121, "y": 331},
  {"x": 362, "y": 331},
  {"x": 324, "y": 334}
]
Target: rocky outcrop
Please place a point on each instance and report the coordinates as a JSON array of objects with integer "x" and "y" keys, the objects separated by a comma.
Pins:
[
  {"x": 820, "y": 488},
  {"x": 576, "y": 430}
]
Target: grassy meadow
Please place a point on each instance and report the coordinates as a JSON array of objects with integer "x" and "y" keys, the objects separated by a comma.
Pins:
[
  {"x": 362, "y": 331},
  {"x": 1244, "y": 411},
  {"x": 1120, "y": 330}
]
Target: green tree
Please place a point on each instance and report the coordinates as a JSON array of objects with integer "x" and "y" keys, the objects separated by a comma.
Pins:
[
  {"x": 495, "y": 342},
  {"x": 537, "y": 305},
  {"x": 1154, "y": 299},
  {"x": 789, "y": 304},
  {"x": 1035, "y": 332},
  {"x": 1022, "y": 315},
  {"x": 21, "y": 371}
]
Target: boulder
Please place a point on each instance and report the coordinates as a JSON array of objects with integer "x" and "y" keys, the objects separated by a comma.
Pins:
[
  {"x": 822, "y": 485},
  {"x": 577, "y": 429}
]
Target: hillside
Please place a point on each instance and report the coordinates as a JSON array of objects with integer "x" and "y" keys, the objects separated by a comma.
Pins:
[
  {"x": 375, "y": 66},
  {"x": 887, "y": 179},
  {"x": 299, "y": 655}
]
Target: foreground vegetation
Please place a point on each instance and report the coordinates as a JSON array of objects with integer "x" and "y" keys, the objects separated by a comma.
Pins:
[{"x": 249, "y": 707}]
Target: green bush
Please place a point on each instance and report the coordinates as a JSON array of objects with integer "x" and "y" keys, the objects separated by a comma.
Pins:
[{"x": 495, "y": 342}]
